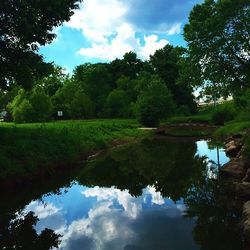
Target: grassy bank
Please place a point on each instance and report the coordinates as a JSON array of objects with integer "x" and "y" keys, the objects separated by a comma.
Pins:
[
  {"x": 30, "y": 149},
  {"x": 232, "y": 128}
]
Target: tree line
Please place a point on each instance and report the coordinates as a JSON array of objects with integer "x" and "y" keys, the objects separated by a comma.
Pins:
[
  {"x": 124, "y": 88},
  {"x": 216, "y": 60}
]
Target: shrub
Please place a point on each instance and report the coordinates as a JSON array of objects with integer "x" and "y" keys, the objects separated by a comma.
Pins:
[{"x": 224, "y": 114}]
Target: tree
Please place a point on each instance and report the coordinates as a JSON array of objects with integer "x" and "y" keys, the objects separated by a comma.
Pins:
[
  {"x": 23, "y": 26},
  {"x": 154, "y": 103},
  {"x": 53, "y": 81},
  {"x": 7, "y": 96},
  {"x": 23, "y": 113},
  {"x": 95, "y": 80},
  {"x": 20, "y": 233},
  {"x": 117, "y": 105},
  {"x": 73, "y": 101},
  {"x": 81, "y": 106},
  {"x": 31, "y": 106},
  {"x": 168, "y": 64},
  {"x": 218, "y": 40},
  {"x": 42, "y": 105}
]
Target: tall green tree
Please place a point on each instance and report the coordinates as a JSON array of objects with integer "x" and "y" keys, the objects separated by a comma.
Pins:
[
  {"x": 218, "y": 40},
  {"x": 53, "y": 81},
  {"x": 95, "y": 80},
  {"x": 154, "y": 103},
  {"x": 73, "y": 101},
  {"x": 31, "y": 106},
  {"x": 23, "y": 26},
  {"x": 129, "y": 66},
  {"x": 117, "y": 105},
  {"x": 168, "y": 63}
]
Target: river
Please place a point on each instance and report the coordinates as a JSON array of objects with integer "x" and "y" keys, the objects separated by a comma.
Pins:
[{"x": 153, "y": 194}]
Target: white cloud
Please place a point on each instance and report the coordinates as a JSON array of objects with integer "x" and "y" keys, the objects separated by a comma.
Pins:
[
  {"x": 151, "y": 45},
  {"x": 42, "y": 210},
  {"x": 103, "y": 23},
  {"x": 104, "y": 224},
  {"x": 130, "y": 204},
  {"x": 98, "y": 19},
  {"x": 176, "y": 29},
  {"x": 156, "y": 196},
  {"x": 124, "y": 41}
]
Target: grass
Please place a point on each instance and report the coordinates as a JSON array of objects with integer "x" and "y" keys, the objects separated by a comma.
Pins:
[
  {"x": 199, "y": 118},
  {"x": 30, "y": 149},
  {"x": 204, "y": 115},
  {"x": 232, "y": 128}
]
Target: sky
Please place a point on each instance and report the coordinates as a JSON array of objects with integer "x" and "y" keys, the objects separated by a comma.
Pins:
[{"x": 103, "y": 30}]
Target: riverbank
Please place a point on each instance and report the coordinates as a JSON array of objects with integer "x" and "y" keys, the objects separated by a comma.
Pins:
[
  {"x": 28, "y": 151},
  {"x": 237, "y": 174}
]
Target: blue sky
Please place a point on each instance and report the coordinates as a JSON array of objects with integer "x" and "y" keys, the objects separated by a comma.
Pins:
[{"x": 102, "y": 30}]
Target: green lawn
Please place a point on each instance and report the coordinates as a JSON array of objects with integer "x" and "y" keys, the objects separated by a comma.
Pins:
[
  {"x": 27, "y": 149},
  {"x": 232, "y": 128}
]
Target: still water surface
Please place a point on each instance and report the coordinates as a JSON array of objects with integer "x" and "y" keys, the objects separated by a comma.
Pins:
[{"x": 153, "y": 194}]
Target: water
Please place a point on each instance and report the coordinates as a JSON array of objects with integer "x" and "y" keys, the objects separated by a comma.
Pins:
[{"x": 156, "y": 194}]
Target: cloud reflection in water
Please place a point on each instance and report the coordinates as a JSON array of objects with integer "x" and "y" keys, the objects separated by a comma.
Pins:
[{"x": 116, "y": 220}]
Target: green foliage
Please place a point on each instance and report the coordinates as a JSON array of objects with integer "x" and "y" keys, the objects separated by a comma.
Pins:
[
  {"x": 154, "y": 103},
  {"x": 117, "y": 105},
  {"x": 24, "y": 112},
  {"x": 168, "y": 64},
  {"x": 129, "y": 66},
  {"x": 7, "y": 96},
  {"x": 16, "y": 101},
  {"x": 29, "y": 149},
  {"x": 24, "y": 25},
  {"x": 232, "y": 128},
  {"x": 53, "y": 82},
  {"x": 223, "y": 114},
  {"x": 198, "y": 118},
  {"x": 34, "y": 106},
  {"x": 150, "y": 162},
  {"x": 218, "y": 39},
  {"x": 73, "y": 101},
  {"x": 41, "y": 104},
  {"x": 81, "y": 106},
  {"x": 204, "y": 114},
  {"x": 21, "y": 231},
  {"x": 95, "y": 80},
  {"x": 109, "y": 90}
]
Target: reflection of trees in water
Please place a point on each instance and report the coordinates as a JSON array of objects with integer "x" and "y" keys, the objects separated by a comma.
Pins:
[
  {"x": 20, "y": 234},
  {"x": 217, "y": 224},
  {"x": 14, "y": 202},
  {"x": 176, "y": 171},
  {"x": 172, "y": 167}
]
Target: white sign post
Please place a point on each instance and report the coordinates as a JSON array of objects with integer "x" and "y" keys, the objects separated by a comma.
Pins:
[{"x": 60, "y": 114}]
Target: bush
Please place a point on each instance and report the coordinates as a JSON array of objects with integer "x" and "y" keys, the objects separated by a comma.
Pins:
[{"x": 222, "y": 115}]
